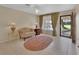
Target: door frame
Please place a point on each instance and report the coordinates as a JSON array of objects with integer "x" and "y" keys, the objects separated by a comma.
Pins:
[
  {"x": 60, "y": 25},
  {"x": 73, "y": 26}
]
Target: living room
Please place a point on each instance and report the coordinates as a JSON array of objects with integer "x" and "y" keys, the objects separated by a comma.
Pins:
[{"x": 25, "y": 17}]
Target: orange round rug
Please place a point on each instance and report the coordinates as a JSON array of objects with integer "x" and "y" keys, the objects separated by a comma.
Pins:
[{"x": 38, "y": 42}]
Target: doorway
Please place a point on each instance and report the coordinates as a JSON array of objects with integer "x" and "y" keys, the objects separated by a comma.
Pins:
[{"x": 65, "y": 25}]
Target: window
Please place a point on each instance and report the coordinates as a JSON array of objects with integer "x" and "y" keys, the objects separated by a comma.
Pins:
[{"x": 47, "y": 23}]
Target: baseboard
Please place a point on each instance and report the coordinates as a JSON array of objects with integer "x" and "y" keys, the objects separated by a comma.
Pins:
[{"x": 5, "y": 41}]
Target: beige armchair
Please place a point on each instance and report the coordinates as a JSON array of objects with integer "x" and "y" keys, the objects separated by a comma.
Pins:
[{"x": 26, "y": 32}]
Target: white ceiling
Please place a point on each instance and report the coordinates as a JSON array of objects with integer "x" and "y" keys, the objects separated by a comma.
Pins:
[{"x": 43, "y": 8}]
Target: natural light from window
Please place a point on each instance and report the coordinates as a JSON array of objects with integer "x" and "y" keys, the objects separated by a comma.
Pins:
[{"x": 47, "y": 23}]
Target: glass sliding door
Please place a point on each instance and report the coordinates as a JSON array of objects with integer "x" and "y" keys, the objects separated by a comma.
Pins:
[{"x": 65, "y": 23}]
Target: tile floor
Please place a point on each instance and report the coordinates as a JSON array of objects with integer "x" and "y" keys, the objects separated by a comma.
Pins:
[{"x": 59, "y": 46}]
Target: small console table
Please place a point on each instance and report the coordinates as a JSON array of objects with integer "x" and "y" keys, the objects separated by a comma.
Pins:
[{"x": 37, "y": 31}]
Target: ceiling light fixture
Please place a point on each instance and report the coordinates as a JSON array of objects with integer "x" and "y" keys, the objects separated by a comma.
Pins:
[
  {"x": 30, "y": 5},
  {"x": 36, "y": 11},
  {"x": 34, "y": 7}
]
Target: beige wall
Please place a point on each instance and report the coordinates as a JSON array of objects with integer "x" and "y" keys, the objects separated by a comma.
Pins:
[
  {"x": 77, "y": 28},
  {"x": 21, "y": 19}
]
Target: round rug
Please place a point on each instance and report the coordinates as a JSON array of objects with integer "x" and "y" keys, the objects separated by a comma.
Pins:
[{"x": 38, "y": 42}]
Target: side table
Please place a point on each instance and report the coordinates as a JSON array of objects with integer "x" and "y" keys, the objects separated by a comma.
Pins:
[{"x": 37, "y": 31}]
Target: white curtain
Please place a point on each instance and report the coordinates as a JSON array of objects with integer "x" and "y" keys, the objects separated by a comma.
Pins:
[{"x": 47, "y": 24}]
